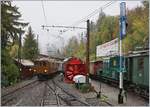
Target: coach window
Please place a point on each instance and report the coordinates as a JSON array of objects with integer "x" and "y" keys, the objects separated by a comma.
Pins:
[
  {"x": 44, "y": 63},
  {"x": 41, "y": 63},
  {"x": 38, "y": 64},
  {"x": 140, "y": 63}
]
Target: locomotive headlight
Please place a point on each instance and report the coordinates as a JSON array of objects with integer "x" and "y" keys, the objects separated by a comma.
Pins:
[{"x": 45, "y": 70}]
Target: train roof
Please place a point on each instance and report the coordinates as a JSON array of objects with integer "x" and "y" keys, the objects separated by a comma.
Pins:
[
  {"x": 51, "y": 57},
  {"x": 95, "y": 61},
  {"x": 138, "y": 53},
  {"x": 45, "y": 59},
  {"x": 48, "y": 59},
  {"x": 25, "y": 62},
  {"x": 131, "y": 54},
  {"x": 66, "y": 59}
]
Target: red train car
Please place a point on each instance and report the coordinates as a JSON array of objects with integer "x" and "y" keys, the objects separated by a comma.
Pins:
[
  {"x": 73, "y": 66},
  {"x": 26, "y": 68},
  {"x": 95, "y": 68}
]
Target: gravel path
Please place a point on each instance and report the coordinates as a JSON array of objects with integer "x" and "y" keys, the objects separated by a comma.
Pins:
[{"x": 112, "y": 94}]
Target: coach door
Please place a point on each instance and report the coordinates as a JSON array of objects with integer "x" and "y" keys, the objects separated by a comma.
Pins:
[{"x": 140, "y": 70}]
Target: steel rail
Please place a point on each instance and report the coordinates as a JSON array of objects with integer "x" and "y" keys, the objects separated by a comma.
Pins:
[
  {"x": 73, "y": 97},
  {"x": 12, "y": 92},
  {"x": 53, "y": 90},
  {"x": 42, "y": 100},
  {"x": 19, "y": 88}
]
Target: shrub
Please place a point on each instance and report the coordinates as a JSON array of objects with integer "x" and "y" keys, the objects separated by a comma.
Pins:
[
  {"x": 10, "y": 71},
  {"x": 85, "y": 88}
]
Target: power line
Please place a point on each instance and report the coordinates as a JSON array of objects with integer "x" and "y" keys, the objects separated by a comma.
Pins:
[
  {"x": 72, "y": 27},
  {"x": 44, "y": 12},
  {"x": 85, "y": 18},
  {"x": 93, "y": 13}
]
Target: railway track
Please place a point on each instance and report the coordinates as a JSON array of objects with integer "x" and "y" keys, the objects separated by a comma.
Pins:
[
  {"x": 50, "y": 96},
  {"x": 18, "y": 88},
  {"x": 11, "y": 97},
  {"x": 61, "y": 96}
]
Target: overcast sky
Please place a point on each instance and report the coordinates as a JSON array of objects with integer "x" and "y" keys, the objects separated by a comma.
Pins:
[{"x": 62, "y": 13}]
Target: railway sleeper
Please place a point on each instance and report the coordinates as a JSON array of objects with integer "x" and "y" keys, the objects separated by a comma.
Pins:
[{"x": 7, "y": 101}]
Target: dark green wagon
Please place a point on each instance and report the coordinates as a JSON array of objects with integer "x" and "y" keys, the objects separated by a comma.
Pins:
[
  {"x": 111, "y": 67},
  {"x": 135, "y": 67},
  {"x": 138, "y": 63}
]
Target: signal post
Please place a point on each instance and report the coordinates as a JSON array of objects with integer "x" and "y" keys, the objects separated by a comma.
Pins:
[
  {"x": 87, "y": 51},
  {"x": 122, "y": 34}
]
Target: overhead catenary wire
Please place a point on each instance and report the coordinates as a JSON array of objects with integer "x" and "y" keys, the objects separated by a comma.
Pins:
[
  {"x": 44, "y": 12},
  {"x": 72, "y": 27},
  {"x": 85, "y": 18},
  {"x": 93, "y": 13}
]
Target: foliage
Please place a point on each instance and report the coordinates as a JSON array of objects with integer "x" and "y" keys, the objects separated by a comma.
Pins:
[
  {"x": 30, "y": 48},
  {"x": 137, "y": 35},
  {"x": 107, "y": 28},
  {"x": 14, "y": 51},
  {"x": 11, "y": 28},
  {"x": 84, "y": 88},
  {"x": 71, "y": 49},
  {"x": 10, "y": 72}
]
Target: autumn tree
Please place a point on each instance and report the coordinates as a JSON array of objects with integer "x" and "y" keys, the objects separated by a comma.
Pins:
[
  {"x": 106, "y": 28},
  {"x": 138, "y": 28}
]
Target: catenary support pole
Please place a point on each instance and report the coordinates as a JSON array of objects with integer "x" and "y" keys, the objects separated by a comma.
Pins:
[
  {"x": 19, "y": 54},
  {"x": 87, "y": 51},
  {"x": 38, "y": 44}
]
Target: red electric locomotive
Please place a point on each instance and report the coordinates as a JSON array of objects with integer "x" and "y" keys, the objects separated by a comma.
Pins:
[{"x": 73, "y": 66}]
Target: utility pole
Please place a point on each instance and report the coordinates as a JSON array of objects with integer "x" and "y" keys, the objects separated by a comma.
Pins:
[
  {"x": 122, "y": 34},
  {"x": 19, "y": 53},
  {"x": 95, "y": 48},
  {"x": 87, "y": 50},
  {"x": 19, "y": 49},
  {"x": 38, "y": 44},
  {"x": 37, "y": 41}
]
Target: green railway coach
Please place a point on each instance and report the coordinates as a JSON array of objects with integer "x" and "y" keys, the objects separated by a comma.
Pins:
[
  {"x": 135, "y": 68},
  {"x": 111, "y": 67},
  {"x": 138, "y": 62}
]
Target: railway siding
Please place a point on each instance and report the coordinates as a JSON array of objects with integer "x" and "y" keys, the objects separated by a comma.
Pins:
[
  {"x": 84, "y": 97},
  {"x": 55, "y": 92},
  {"x": 19, "y": 94},
  {"x": 62, "y": 96},
  {"x": 11, "y": 89}
]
